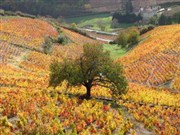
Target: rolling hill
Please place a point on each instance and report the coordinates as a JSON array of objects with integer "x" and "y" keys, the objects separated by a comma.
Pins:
[
  {"x": 25, "y": 32},
  {"x": 71, "y": 8},
  {"x": 156, "y": 61},
  {"x": 29, "y": 106},
  {"x": 26, "y": 102}
]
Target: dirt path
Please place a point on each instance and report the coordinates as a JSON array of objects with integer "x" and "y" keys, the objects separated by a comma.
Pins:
[{"x": 101, "y": 35}]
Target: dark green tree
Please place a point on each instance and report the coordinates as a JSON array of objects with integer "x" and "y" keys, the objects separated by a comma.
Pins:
[
  {"x": 129, "y": 6},
  {"x": 93, "y": 68},
  {"x": 154, "y": 20},
  {"x": 162, "y": 20},
  {"x": 176, "y": 17},
  {"x": 122, "y": 39},
  {"x": 169, "y": 20},
  {"x": 128, "y": 38},
  {"x": 133, "y": 37},
  {"x": 48, "y": 45}
]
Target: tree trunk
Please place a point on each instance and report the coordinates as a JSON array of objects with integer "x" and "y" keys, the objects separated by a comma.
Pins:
[{"x": 88, "y": 92}]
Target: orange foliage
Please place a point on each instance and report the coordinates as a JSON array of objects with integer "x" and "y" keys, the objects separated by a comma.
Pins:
[
  {"x": 25, "y": 31},
  {"x": 156, "y": 60}
]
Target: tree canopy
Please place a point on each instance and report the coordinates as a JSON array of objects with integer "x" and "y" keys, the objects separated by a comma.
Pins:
[
  {"x": 128, "y": 38},
  {"x": 93, "y": 68},
  {"x": 127, "y": 17},
  {"x": 55, "y": 8}
]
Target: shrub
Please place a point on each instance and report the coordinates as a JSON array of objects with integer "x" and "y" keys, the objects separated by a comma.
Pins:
[
  {"x": 48, "y": 45},
  {"x": 19, "y": 13},
  {"x": 122, "y": 39},
  {"x": 133, "y": 37},
  {"x": 151, "y": 27},
  {"x": 112, "y": 42},
  {"x": 73, "y": 26},
  {"x": 154, "y": 20},
  {"x": 10, "y": 13},
  {"x": 2, "y": 12},
  {"x": 145, "y": 29},
  {"x": 128, "y": 38},
  {"x": 62, "y": 39}
]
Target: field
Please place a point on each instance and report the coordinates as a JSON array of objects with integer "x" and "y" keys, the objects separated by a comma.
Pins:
[
  {"x": 88, "y": 17},
  {"x": 115, "y": 50},
  {"x": 29, "y": 106},
  {"x": 103, "y": 19}
]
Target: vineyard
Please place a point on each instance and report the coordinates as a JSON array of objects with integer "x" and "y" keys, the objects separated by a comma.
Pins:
[
  {"x": 9, "y": 52},
  {"x": 25, "y": 32},
  {"x": 29, "y": 106},
  {"x": 155, "y": 62}
]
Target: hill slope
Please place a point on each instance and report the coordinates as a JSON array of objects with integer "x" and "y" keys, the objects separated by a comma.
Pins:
[
  {"x": 25, "y": 32},
  {"x": 156, "y": 61},
  {"x": 21, "y": 43},
  {"x": 71, "y": 8},
  {"x": 29, "y": 106}
]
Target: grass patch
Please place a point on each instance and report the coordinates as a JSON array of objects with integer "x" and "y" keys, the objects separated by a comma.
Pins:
[
  {"x": 94, "y": 20},
  {"x": 115, "y": 50},
  {"x": 9, "y": 17},
  {"x": 81, "y": 19},
  {"x": 125, "y": 25}
]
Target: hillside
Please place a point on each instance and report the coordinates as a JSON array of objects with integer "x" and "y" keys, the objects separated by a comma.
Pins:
[
  {"x": 106, "y": 5},
  {"x": 114, "y": 5},
  {"x": 71, "y": 8},
  {"x": 25, "y": 32},
  {"x": 41, "y": 7},
  {"x": 29, "y": 106},
  {"x": 156, "y": 61}
]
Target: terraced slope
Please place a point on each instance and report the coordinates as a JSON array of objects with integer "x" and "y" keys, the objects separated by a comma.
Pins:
[
  {"x": 156, "y": 61},
  {"x": 26, "y": 103},
  {"x": 29, "y": 106},
  {"x": 25, "y": 32}
]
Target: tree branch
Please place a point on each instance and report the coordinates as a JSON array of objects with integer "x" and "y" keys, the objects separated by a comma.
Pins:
[
  {"x": 81, "y": 65},
  {"x": 105, "y": 86},
  {"x": 102, "y": 80}
]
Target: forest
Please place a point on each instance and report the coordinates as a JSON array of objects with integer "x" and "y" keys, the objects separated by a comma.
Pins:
[{"x": 45, "y": 7}]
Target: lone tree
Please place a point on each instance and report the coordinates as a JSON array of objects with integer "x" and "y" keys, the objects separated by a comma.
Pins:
[{"x": 94, "y": 67}]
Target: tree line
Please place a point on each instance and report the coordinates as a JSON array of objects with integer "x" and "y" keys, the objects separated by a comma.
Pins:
[
  {"x": 167, "y": 20},
  {"x": 53, "y": 8},
  {"x": 127, "y": 18}
]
